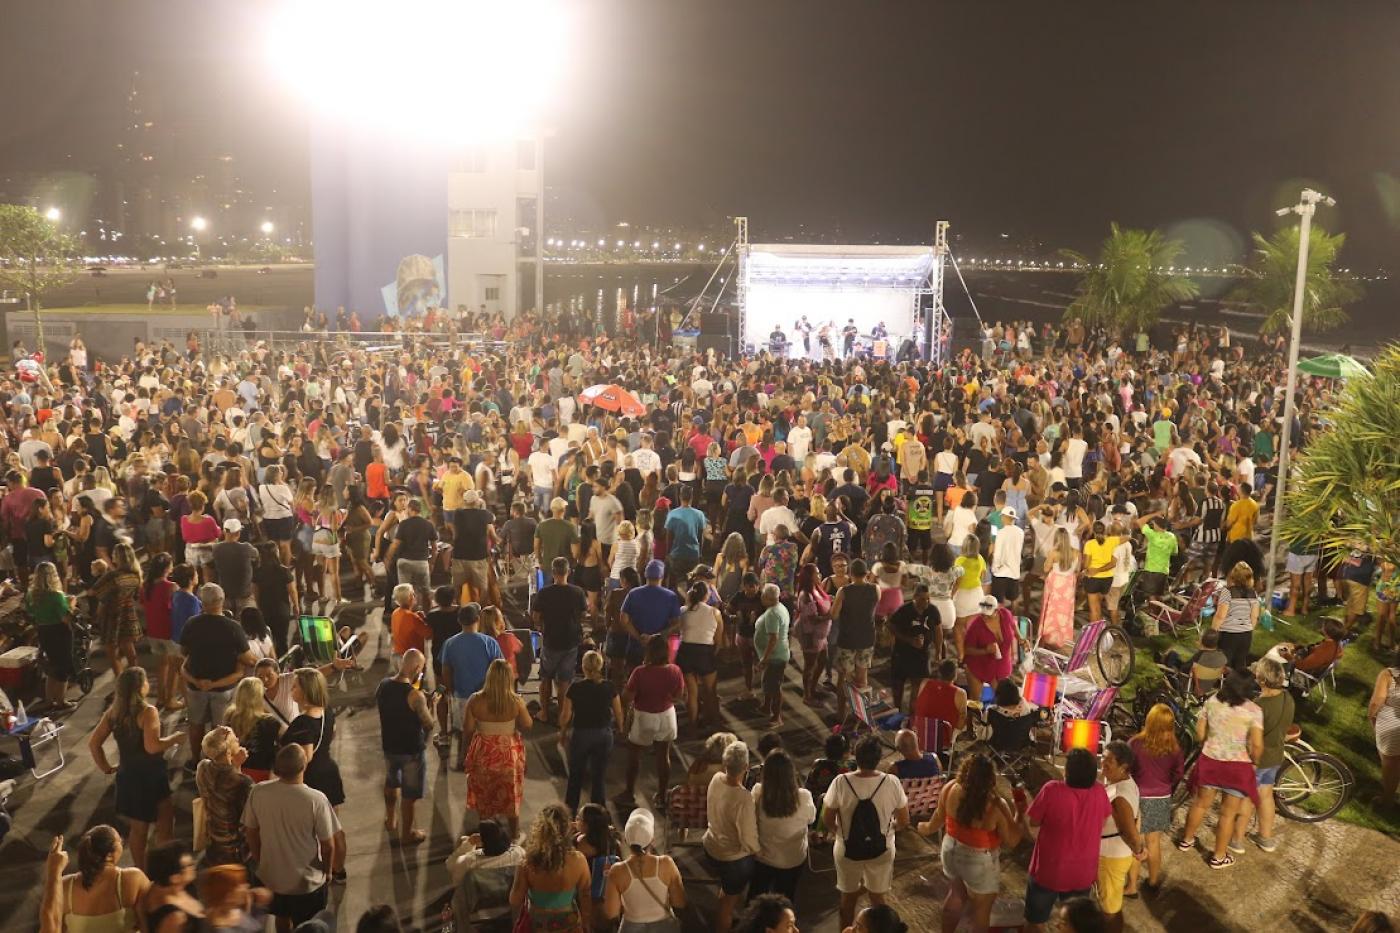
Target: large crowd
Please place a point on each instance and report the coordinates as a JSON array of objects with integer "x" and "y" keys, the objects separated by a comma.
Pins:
[{"x": 812, "y": 531}]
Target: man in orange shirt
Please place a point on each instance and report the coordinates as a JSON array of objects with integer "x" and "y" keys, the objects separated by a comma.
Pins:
[{"x": 407, "y": 626}]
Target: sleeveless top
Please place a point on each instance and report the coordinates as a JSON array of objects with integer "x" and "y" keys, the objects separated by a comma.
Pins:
[
  {"x": 495, "y": 728},
  {"x": 131, "y": 747},
  {"x": 401, "y": 732},
  {"x": 971, "y": 836},
  {"x": 121, "y": 920},
  {"x": 647, "y": 898}
]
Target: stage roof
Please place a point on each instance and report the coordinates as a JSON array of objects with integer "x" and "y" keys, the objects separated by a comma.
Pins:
[{"x": 864, "y": 266}]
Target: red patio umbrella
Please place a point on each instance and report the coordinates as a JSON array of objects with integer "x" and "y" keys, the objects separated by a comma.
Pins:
[{"x": 612, "y": 398}]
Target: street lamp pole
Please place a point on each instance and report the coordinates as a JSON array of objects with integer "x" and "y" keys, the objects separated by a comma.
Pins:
[{"x": 1305, "y": 208}]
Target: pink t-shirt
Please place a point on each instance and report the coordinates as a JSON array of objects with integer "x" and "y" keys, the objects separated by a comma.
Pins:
[
  {"x": 203, "y": 531},
  {"x": 1066, "y": 856}
]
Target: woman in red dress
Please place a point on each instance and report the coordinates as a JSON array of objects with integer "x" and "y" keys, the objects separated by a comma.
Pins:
[{"x": 495, "y": 716}]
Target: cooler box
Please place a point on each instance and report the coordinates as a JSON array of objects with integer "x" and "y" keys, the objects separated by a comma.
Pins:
[{"x": 15, "y": 664}]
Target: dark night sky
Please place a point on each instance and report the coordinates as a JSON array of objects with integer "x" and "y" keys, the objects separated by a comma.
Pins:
[{"x": 1043, "y": 119}]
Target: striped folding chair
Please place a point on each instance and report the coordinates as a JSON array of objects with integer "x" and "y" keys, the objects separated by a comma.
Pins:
[{"x": 685, "y": 810}]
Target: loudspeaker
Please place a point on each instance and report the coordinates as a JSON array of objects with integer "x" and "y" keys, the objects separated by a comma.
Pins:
[
  {"x": 714, "y": 322},
  {"x": 967, "y": 335},
  {"x": 721, "y": 344}
]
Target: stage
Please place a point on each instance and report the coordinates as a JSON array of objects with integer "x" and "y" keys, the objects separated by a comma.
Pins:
[{"x": 829, "y": 302}]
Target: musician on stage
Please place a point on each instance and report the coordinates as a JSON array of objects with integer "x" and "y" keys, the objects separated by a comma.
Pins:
[
  {"x": 848, "y": 337},
  {"x": 804, "y": 327},
  {"x": 880, "y": 332},
  {"x": 777, "y": 342},
  {"x": 824, "y": 340}
]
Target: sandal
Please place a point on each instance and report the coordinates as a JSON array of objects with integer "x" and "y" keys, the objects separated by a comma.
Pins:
[{"x": 1225, "y": 862}]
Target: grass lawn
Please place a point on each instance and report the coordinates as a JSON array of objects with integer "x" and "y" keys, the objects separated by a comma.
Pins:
[{"x": 1338, "y": 727}]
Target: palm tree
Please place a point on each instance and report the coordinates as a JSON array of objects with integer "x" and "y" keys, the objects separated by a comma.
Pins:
[
  {"x": 1273, "y": 271},
  {"x": 1348, "y": 479},
  {"x": 1127, "y": 287}
]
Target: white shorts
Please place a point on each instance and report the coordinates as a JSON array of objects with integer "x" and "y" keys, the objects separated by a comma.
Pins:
[
  {"x": 947, "y": 613},
  {"x": 330, "y": 549},
  {"x": 199, "y": 555},
  {"x": 876, "y": 875},
  {"x": 648, "y": 728},
  {"x": 1300, "y": 563},
  {"x": 457, "y": 708},
  {"x": 965, "y": 601}
]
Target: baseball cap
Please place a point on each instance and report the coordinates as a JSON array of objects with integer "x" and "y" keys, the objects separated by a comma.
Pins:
[
  {"x": 987, "y": 603},
  {"x": 233, "y": 526},
  {"x": 640, "y": 829},
  {"x": 655, "y": 570},
  {"x": 1009, "y": 511}
]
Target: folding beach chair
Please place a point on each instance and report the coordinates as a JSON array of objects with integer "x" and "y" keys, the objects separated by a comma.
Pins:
[
  {"x": 685, "y": 811},
  {"x": 922, "y": 794},
  {"x": 1188, "y": 607}
]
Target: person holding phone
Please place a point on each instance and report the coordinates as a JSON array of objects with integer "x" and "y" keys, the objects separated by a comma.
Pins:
[{"x": 404, "y": 724}]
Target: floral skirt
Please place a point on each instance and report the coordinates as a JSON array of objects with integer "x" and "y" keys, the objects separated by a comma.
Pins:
[{"x": 496, "y": 774}]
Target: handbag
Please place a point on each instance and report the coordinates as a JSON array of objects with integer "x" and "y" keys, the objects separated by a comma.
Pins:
[
  {"x": 523, "y": 924},
  {"x": 201, "y": 824}
]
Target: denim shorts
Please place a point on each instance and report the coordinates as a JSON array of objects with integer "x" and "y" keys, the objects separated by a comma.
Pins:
[
  {"x": 734, "y": 875},
  {"x": 559, "y": 665},
  {"x": 978, "y": 869},
  {"x": 1267, "y": 776},
  {"x": 408, "y": 773}
]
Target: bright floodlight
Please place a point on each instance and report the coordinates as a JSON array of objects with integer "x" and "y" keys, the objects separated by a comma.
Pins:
[
  {"x": 455, "y": 71},
  {"x": 198, "y": 223},
  {"x": 53, "y": 213},
  {"x": 266, "y": 226}
]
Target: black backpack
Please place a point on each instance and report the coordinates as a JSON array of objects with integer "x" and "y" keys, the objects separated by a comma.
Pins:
[{"x": 865, "y": 837}]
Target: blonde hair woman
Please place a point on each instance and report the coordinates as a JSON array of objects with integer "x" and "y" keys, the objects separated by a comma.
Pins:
[
  {"x": 325, "y": 540},
  {"x": 224, "y": 789},
  {"x": 587, "y": 714},
  {"x": 52, "y": 613},
  {"x": 730, "y": 565},
  {"x": 623, "y": 552},
  {"x": 254, "y": 726},
  {"x": 1057, "y": 601},
  {"x": 314, "y": 731},
  {"x": 494, "y": 717}
]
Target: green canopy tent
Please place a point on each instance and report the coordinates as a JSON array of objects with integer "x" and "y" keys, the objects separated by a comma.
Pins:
[{"x": 1333, "y": 366}]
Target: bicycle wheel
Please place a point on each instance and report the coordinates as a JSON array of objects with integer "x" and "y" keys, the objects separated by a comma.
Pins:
[
  {"x": 1312, "y": 786},
  {"x": 1113, "y": 652}
]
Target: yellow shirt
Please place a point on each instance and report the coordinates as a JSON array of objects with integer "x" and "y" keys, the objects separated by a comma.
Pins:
[
  {"x": 1239, "y": 522},
  {"x": 1096, "y": 554},
  {"x": 454, "y": 486}
]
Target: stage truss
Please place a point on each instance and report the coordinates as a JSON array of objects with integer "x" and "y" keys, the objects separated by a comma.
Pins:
[{"x": 932, "y": 328}]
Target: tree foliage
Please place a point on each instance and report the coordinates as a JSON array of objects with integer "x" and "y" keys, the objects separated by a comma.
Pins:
[
  {"x": 1346, "y": 490},
  {"x": 35, "y": 257},
  {"x": 1272, "y": 273},
  {"x": 1126, "y": 287}
]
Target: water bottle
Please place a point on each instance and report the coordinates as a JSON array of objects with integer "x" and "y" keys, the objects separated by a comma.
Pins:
[
  {"x": 21, "y": 717},
  {"x": 988, "y": 694}
]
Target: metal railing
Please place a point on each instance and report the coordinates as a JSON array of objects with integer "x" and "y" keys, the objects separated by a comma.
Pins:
[{"x": 222, "y": 340}]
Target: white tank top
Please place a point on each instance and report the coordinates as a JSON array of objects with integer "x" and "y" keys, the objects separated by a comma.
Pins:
[
  {"x": 698, "y": 625},
  {"x": 638, "y": 903}
]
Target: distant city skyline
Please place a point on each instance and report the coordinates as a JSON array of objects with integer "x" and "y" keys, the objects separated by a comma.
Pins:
[{"x": 811, "y": 119}]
